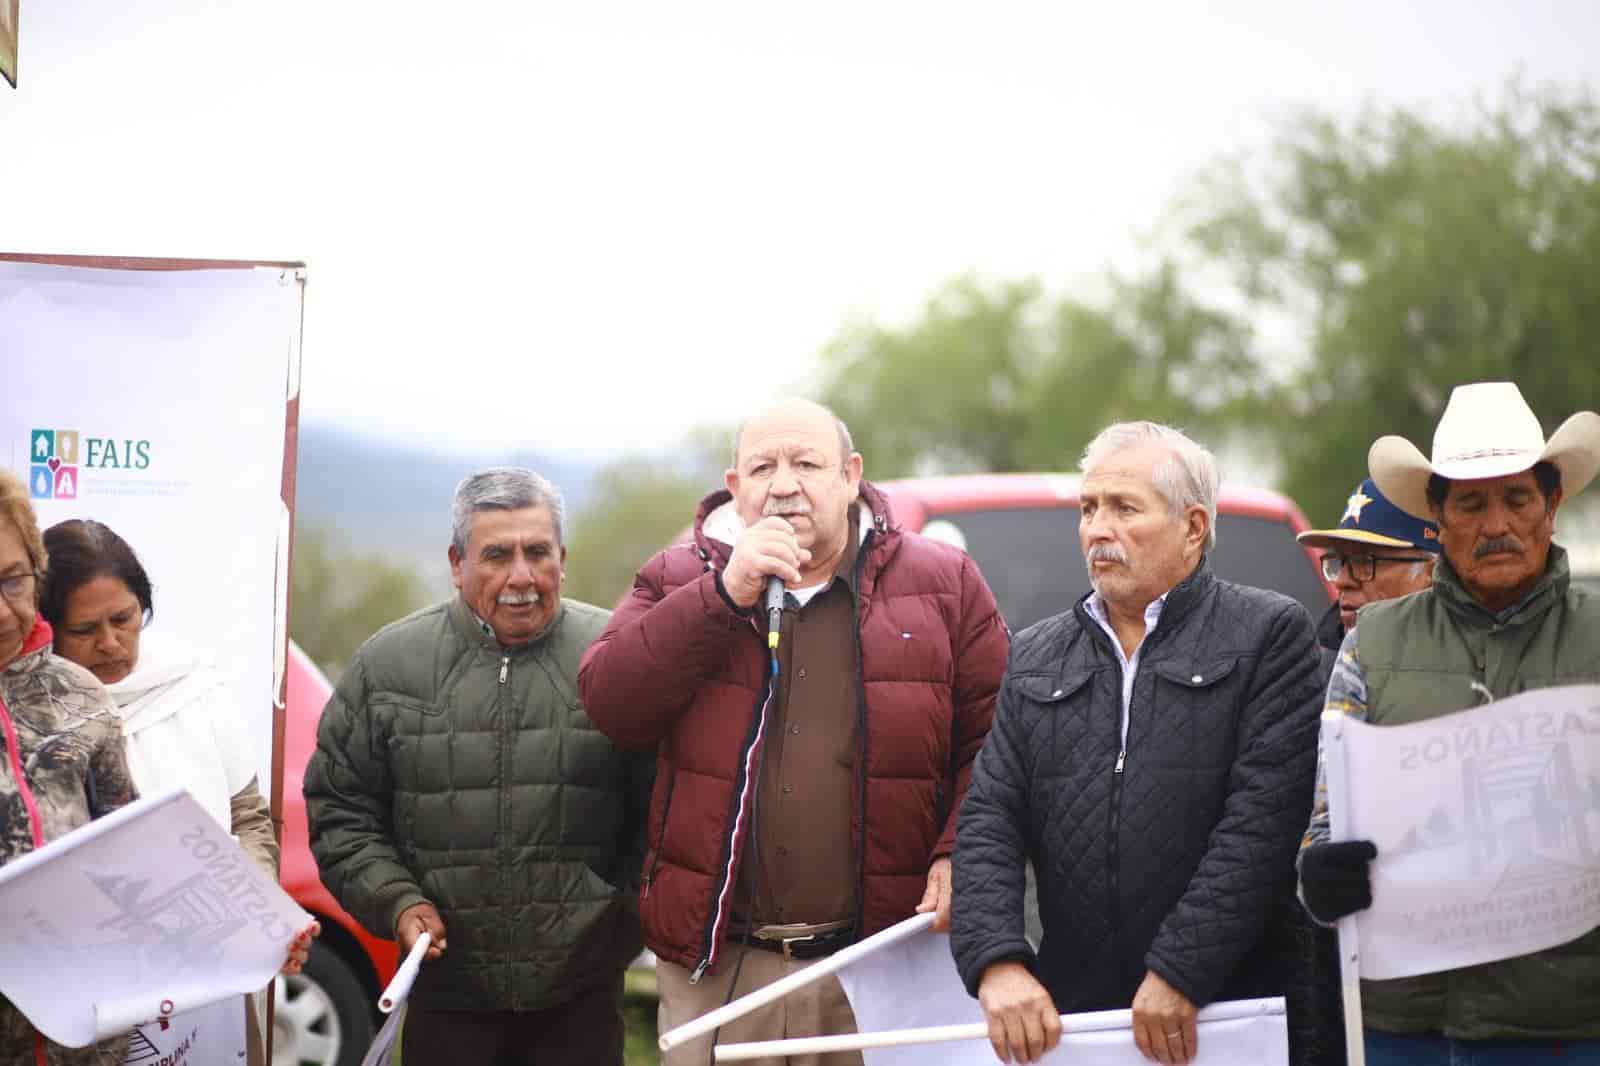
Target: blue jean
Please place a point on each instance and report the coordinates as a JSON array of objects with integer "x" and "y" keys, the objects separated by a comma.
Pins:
[{"x": 1388, "y": 1049}]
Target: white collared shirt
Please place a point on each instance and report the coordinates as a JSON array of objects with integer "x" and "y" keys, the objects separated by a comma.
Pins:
[{"x": 1130, "y": 663}]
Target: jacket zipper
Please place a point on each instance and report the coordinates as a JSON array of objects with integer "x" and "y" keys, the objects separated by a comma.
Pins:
[
  {"x": 1118, "y": 769},
  {"x": 861, "y": 731},
  {"x": 507, "y": 733},
  {"x": 1113, "y": 850},
  {"x": 708, "y": 948}
]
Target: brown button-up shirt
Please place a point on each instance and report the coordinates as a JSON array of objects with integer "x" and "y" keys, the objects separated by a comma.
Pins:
[{"x": 803, "y": 840}]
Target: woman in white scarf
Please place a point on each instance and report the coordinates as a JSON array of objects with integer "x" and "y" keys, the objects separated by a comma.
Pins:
[{"x": 180, "y": 717}]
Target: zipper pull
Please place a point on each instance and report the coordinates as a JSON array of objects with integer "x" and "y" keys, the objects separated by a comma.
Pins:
[
  {"x": 505, "y": 665},
  {"x": 699, "y": 971},
  {"x": 1122, "y": 758}
]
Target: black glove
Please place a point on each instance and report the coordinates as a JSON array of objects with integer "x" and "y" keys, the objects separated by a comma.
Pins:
[{"x": 1334, "y": 881}]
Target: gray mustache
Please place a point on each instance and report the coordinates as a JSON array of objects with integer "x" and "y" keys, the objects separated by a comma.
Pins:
[
  {"x": 1106, "y": 553},
  {"x": 1498, "y": 544},
  {"x": 786, "y": 505}
]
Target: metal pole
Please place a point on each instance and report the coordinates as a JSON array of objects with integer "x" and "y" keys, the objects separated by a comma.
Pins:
[
  {"x": 1338, "y": 785},
  {"x": 1087, "y": 1022},
  {"x": 782, "y": 987}
]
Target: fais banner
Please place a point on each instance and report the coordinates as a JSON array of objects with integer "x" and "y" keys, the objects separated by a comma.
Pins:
[{"x": 156, "y": 401}]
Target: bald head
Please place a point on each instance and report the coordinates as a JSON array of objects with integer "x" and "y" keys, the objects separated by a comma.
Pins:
[{"x": 798, "y": 410}]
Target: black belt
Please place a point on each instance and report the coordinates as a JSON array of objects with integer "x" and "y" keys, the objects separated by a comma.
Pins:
[{"x": 802, "y": 946}]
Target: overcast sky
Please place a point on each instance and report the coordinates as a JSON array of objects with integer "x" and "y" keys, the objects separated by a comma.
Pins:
[{"x": 588, "y": 226}]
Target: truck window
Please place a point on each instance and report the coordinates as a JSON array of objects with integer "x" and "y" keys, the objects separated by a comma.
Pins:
[{"x": 1031, "y": 559}]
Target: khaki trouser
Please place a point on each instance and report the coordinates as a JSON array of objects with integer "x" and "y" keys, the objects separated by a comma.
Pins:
[{"x": 818, "y": 1009}]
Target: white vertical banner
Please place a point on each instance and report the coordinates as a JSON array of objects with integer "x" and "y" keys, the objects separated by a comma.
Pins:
[{"x": 153, "y": 400}]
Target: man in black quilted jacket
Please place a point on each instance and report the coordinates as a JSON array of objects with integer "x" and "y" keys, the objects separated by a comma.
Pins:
[{"x": 1153, "y": 753}]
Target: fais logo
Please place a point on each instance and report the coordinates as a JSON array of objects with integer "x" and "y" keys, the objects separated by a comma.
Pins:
[{"x": 55, "y": 457}]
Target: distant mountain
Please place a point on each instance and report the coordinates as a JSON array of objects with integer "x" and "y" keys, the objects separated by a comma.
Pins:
[{"x": 381, "y": 496}]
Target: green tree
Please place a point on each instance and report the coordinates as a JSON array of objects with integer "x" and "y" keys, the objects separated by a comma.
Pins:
[
  {"x": 1409, "y": 254},
  {"x": 1003, "y": 377},
  {"x": 637, "y": 506},
  {"x": 339, "y": 598},
  {"x": 1318, "y": 295}
]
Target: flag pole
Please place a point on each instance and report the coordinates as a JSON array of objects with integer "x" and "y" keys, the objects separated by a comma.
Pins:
[
  {"x": 1338, "y": 785},
  {"x": 1087, "y": 1022},
  {"x": 799, "y": 979},
  {"x": 399, "y": 988},
  {"x": 393, "y": 1003}
]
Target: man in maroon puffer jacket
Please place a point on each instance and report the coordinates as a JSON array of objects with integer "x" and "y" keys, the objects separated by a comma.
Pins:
[{"x": 805, "y": 797}]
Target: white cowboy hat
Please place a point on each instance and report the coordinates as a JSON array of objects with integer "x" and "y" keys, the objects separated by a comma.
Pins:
[{"x": 1487, "y": 430}]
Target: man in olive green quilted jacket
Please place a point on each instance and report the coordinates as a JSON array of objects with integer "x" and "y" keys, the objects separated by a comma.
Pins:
[{"x": 458, "y": 788}]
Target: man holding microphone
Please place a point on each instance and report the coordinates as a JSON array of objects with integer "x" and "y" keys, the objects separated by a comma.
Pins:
[{"x": 807, "y": 785}]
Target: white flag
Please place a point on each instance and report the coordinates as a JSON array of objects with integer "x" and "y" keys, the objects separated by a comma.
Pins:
[
  {"x": 393, "y": 1002},
  {"x": 387, "y": 1042},
  {"x": 149, "y": 912},
  {"x": 913, "y": 984},
  {"x": 1487, "y": 823}
]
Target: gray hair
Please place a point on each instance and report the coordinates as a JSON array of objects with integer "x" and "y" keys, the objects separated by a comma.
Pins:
[
  {"x": 500, "y": 488},
  {"x": 847, "y": 446},
  {"x": 1186, "y": 478}
]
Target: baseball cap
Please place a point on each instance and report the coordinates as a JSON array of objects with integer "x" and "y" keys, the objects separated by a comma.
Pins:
[{"x": 1369, "y": 518}]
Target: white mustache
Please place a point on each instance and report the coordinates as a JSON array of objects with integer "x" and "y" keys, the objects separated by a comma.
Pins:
[
  {"x": 518, "y": 599},
  {"x": 786, "y": 505},
  {"x": 1106, "y": 553}
]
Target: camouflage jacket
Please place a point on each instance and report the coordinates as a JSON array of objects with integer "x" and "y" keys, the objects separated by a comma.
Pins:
[{"x": 59, "y": 733}]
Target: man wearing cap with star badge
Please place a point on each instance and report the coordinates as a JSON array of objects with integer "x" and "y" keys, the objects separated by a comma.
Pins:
[
  {"x": 1500, "y": 618},
  {"x": 1377, "y": 552}
]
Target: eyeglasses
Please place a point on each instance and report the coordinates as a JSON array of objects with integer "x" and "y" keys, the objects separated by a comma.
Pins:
[
  {"x": 1363, "y": 567},
  {"x": 18, "y": 588}
]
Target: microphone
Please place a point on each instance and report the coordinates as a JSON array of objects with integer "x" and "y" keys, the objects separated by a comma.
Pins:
[{"x": 774, "y": 600}]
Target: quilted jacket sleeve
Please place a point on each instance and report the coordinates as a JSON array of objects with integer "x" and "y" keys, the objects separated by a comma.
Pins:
[
  {"x": 980, "y": 649},
  {"x": 643, "y": 670},
  {"x": 1250, "y": 858},
  {"x": 347, "y": 791},
  {"x": 986, "y": 911}
]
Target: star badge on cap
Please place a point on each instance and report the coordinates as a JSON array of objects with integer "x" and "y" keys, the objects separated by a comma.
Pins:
[{"x": 1352, "y": 508}]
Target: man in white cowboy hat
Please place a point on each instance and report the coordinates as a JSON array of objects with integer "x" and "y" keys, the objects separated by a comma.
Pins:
[{"x": 1501, "y": 617}]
